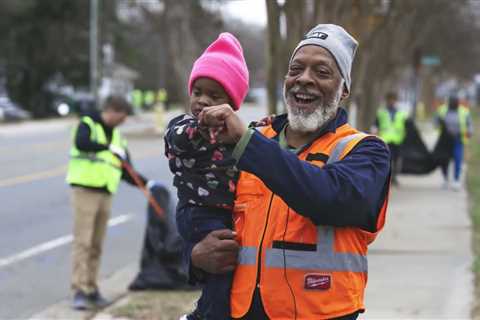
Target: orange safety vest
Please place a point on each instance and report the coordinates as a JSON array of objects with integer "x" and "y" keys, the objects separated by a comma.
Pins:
[{"x": 306, "y": 271}]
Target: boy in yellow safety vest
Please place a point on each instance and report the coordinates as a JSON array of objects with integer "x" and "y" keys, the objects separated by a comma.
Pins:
[{"x": 94, "y": 174}]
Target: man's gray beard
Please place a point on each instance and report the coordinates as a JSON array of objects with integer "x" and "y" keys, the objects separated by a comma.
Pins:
[{"x": 302, "y": 121}]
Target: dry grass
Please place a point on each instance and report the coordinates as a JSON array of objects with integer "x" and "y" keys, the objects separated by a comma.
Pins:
[{"x": 156, "y": 305}]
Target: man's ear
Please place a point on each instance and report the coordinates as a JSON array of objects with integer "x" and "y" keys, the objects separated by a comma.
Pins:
[{"x": 345, "y": 93}]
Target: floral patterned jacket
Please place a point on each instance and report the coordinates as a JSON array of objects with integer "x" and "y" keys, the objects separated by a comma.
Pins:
[{"x": 204, "y": 172}]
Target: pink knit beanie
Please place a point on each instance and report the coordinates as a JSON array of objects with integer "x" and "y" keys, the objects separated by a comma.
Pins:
[{"x": 223, "y": 62}]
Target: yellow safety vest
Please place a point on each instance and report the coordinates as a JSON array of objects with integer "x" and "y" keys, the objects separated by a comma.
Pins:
[
  {"x": 463, "y": 114},
  {"x": 100, "y": 169},
  {"x": 391, "y": 130}
]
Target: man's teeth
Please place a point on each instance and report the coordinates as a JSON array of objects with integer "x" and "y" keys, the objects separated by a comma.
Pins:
[{"x": 302, "y": 97}]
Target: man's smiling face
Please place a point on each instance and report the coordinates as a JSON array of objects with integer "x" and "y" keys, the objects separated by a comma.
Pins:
[{"x": 313, "y": 88}]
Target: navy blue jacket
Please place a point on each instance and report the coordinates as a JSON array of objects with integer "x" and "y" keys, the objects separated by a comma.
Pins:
[{"x": 346, "y": 193}]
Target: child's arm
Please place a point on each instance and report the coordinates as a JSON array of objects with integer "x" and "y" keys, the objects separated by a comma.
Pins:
[{"x": 182, "y": 135}]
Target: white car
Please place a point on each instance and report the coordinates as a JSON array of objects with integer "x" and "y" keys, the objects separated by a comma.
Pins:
[{"x": 10, "y": 111}]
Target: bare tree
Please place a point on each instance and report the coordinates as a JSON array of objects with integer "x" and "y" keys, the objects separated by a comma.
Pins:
[
  {"x": 274, "y": 53},
  {"x": 393, "y": 37}
]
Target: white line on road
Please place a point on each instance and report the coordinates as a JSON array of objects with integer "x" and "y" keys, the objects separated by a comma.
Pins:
[{"x": 55, "y": 243}]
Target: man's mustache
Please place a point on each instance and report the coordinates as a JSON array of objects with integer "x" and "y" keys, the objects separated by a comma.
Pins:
[{"x": 302, "y": 90}]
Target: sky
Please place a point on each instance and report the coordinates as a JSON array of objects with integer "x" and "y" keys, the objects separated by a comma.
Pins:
[{"x": 250, "y": 11}]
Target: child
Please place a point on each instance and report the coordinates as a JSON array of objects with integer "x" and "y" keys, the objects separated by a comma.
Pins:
[{"x": 204, "y": 170}]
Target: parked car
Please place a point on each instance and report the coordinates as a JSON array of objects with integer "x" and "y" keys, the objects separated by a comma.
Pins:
[
  {"x": 10, "y": 111},
  {"x": 76, "y": 102}
]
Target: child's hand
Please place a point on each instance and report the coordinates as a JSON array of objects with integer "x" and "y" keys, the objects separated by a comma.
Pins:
[{"x": 227, "y": 126}]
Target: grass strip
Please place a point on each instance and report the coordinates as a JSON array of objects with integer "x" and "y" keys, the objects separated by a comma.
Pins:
[{"x": 473, "y": 186}]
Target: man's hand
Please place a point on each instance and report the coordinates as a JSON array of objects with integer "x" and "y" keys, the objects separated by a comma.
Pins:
[
  {"x": 119, "y": 152},
  {"x": 217, "y": 252},
  {"x": 223, "y": 122}
]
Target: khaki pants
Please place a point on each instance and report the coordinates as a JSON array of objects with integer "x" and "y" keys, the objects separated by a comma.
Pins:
[{"x": 91, "y": 210}]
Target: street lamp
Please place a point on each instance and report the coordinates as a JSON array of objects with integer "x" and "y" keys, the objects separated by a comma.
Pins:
[{"x": 94, "y": 49}]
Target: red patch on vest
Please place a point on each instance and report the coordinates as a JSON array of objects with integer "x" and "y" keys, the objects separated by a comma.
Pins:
[{"x": 315, "y": 281}]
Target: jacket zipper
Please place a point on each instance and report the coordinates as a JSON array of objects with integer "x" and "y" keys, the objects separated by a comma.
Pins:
[{"x": 259, "y": 264}]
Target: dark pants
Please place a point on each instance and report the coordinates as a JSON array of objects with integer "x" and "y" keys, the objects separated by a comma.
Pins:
[
  {"x": 194, "y": 223},
  {"x": 396, "y": 161},
  {"x": 257, "y": 311},
  {"x": 457, "y": 155}
]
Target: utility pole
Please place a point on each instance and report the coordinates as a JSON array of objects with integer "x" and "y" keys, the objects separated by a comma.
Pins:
[{"x": 94, "y": 49}]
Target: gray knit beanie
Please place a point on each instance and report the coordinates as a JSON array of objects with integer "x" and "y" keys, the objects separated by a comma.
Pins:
[{"x": 338, "y": 42}]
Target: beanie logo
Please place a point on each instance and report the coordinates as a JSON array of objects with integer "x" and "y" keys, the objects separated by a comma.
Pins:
[{"x": 317, "y": 34}]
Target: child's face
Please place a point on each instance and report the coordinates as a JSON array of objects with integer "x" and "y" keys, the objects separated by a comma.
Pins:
[{"x": 205, "y": 93}]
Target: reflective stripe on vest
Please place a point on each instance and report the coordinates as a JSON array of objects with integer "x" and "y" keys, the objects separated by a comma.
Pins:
[
  {"x": 341, "y": 145},
  {"x": 324, "y": 258},
  {"x": 247, "y": 256},
  {"x": 93, "y": 157}
]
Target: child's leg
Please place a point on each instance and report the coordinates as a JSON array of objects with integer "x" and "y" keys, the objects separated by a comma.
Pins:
[
  {"x": 216, "y": 295},
  {"x": 184, "y": 223},
  {"x": 214, "y": 303},
  {"x": 184, "y": 226}
]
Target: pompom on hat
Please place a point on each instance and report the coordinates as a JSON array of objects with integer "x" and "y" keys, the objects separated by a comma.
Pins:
[{"x": 223, "y": 62}]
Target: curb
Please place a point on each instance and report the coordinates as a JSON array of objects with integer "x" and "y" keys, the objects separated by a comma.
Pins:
[{"x": 114, "y": 288}]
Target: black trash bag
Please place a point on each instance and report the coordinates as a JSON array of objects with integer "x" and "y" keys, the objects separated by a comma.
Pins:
[
  {"x": 416, "y": 159},
  {"x": 161, "y": 265},
  {"x": 443, "y": 151}
]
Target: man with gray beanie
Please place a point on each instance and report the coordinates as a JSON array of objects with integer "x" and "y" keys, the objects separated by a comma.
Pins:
[{"x": 312, "y": 195}]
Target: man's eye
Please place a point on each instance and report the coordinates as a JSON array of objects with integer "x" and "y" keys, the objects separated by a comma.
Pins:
[
  {"x": 294, "y": 70},
  {"x": 323, "y": 72}
]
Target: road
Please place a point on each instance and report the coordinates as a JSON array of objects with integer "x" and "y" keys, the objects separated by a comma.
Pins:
[{"x": 36, "y": 219}]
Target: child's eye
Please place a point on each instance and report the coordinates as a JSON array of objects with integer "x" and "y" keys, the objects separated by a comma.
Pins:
[{"x": 196, "y": 92}]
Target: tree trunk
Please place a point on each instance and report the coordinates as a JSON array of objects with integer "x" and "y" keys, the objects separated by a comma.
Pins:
[
  {"x": 273, "y": 53},
  {"x": 181, "y": 46},
  {"x": 296, "y": 26}
]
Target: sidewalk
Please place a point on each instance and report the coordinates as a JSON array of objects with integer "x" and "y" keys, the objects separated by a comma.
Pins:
[{"x": 420, "y": 265}]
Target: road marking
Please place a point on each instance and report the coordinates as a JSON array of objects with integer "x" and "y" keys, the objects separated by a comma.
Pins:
[
  {"x": 43, "y": 147},
  {"x": 58, "y": 171},
  {"x": 34, "y": 176},
  {"x": 55, "y": 243}
]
